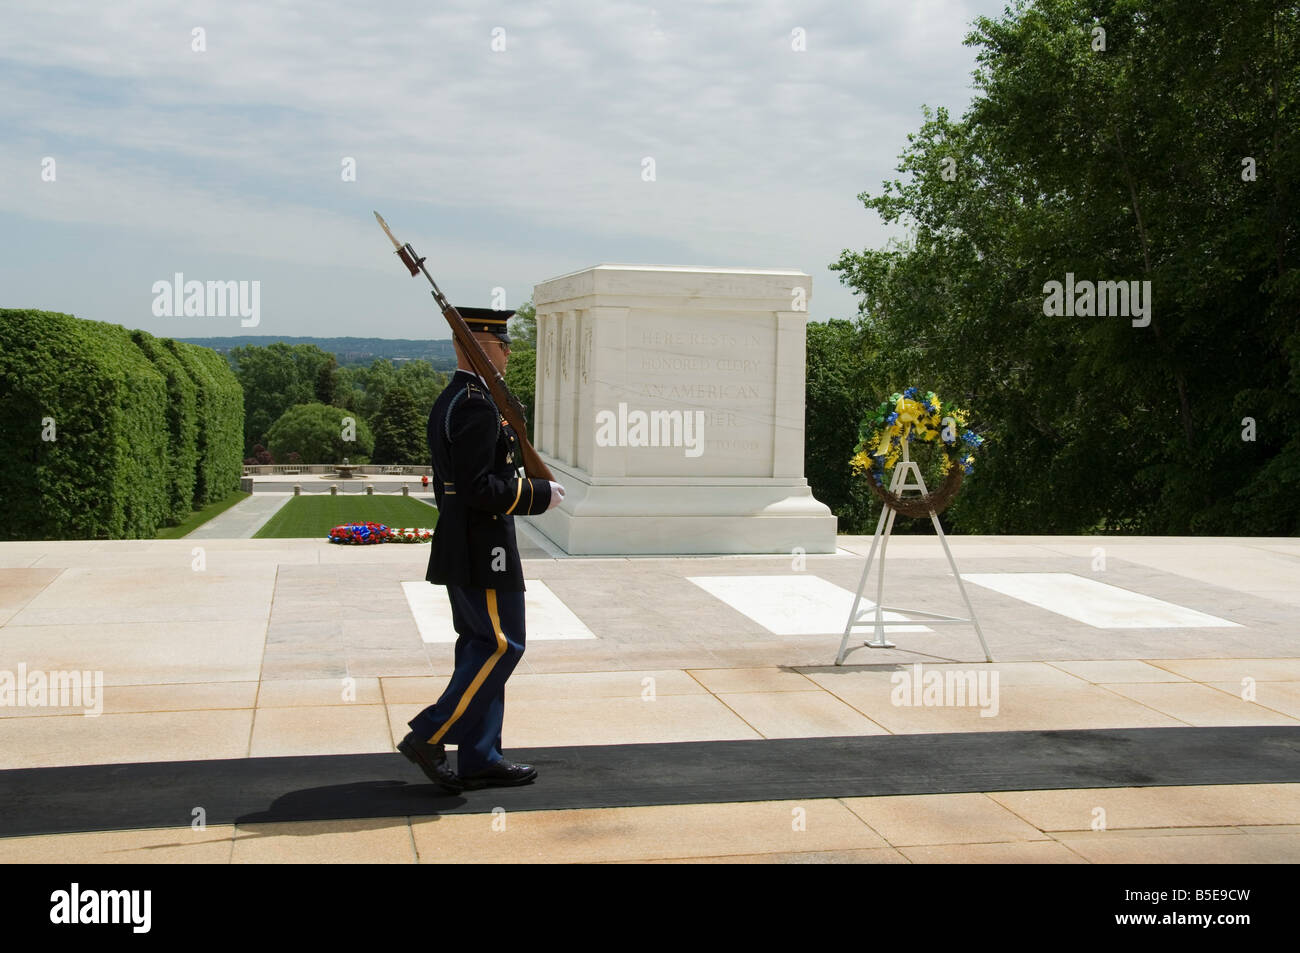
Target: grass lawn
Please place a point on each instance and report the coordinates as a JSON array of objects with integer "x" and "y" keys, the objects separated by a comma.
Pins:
[
  {"x": 199, "y": 517},
  {"x": 314, "y": 516}
]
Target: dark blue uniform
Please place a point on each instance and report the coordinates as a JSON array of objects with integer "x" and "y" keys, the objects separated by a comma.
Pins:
[{"x": 475, "y": 453}]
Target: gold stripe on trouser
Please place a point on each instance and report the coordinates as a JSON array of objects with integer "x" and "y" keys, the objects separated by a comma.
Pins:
[{"x": 483, "y": 673}]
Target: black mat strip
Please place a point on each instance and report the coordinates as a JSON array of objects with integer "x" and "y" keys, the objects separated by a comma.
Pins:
[{"x": 332, "y": 787}]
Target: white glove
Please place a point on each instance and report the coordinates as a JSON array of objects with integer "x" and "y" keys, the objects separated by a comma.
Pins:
[{"x": 557, "y": 495}]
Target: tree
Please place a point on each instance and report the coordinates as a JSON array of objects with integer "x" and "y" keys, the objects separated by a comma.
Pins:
[
  {"x": 422, "y": 383},
  {"x": 520, "y": 375},
  {"x": 347, "y": 390},
  {"x": 523, "y": 326},
  {"x": 325, "y": 382},
  {"x": 373, "y": 383},
  {"x": 400, "y": 430},
  {"x": 1119, "y": 164},
  {"x": 839, "y": 390},
  {"x": 274, "y": 378},
  {"x": 521, "y": 369},
  {"x": 321, "y": 434}
]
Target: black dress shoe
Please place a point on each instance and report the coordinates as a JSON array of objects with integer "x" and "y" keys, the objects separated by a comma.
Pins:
[
  {"x": 502, "y": 774},
  {"x": 432, "y": 760}
]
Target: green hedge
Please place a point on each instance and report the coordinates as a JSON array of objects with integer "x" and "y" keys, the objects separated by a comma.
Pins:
[
  {"x": 99, "y": 476},
  {"x": 107, "y": 433},
  {"x": 221, "y": 421},
  {"x": 182, "y": 425}
]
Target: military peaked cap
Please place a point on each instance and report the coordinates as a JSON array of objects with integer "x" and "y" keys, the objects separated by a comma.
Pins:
[{"x": 487, "y": 319}]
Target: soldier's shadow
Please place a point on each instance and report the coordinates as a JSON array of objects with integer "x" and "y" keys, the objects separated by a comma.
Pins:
[
  {"x": 347, "y": 808},
  {"x": 356, "y": 801}
]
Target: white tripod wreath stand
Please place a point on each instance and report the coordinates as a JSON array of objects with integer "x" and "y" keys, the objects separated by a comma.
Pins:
[{"x": 905, "y": 468}]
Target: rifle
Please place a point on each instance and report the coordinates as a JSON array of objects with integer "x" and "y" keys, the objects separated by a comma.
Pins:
[{"x": 511, "y": 409}]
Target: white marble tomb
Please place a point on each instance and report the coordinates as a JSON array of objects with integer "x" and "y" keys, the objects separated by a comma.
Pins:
[{"x": 670, "y": 404}]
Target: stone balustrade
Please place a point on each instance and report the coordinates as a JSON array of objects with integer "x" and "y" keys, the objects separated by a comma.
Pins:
[{"x": 290, "y": 469}]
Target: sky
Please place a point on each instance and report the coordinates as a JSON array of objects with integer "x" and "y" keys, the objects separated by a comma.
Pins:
[{"x": 506, "y": 142}]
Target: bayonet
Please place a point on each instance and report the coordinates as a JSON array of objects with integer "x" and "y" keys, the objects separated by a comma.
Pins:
[{"x": 509, "y": 405}]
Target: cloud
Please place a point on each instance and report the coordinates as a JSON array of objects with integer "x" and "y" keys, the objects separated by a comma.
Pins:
[{"x": 759, "y": 150}]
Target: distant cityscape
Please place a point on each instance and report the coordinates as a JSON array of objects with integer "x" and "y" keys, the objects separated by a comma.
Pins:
[{"x": 348, "y": 351}]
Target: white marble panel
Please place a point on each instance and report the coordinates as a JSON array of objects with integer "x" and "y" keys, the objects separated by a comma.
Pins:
[
  {"x": 546, "y": 616},
  {"x": 1094, "y": 603},
  {"x": 793, "y": 605}
]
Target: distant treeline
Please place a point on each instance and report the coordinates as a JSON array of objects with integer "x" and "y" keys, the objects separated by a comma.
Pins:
[
  {"x": 297, "y": 399},
  {"x": 348, "y": 352}
]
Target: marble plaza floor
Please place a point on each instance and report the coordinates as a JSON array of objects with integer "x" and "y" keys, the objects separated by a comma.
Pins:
[{"x": 239, "y": 649}]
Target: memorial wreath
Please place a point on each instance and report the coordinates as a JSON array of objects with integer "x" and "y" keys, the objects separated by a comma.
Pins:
[
  {"x": 911, "y": 417},
  {"x": 363, "y": 534}
]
